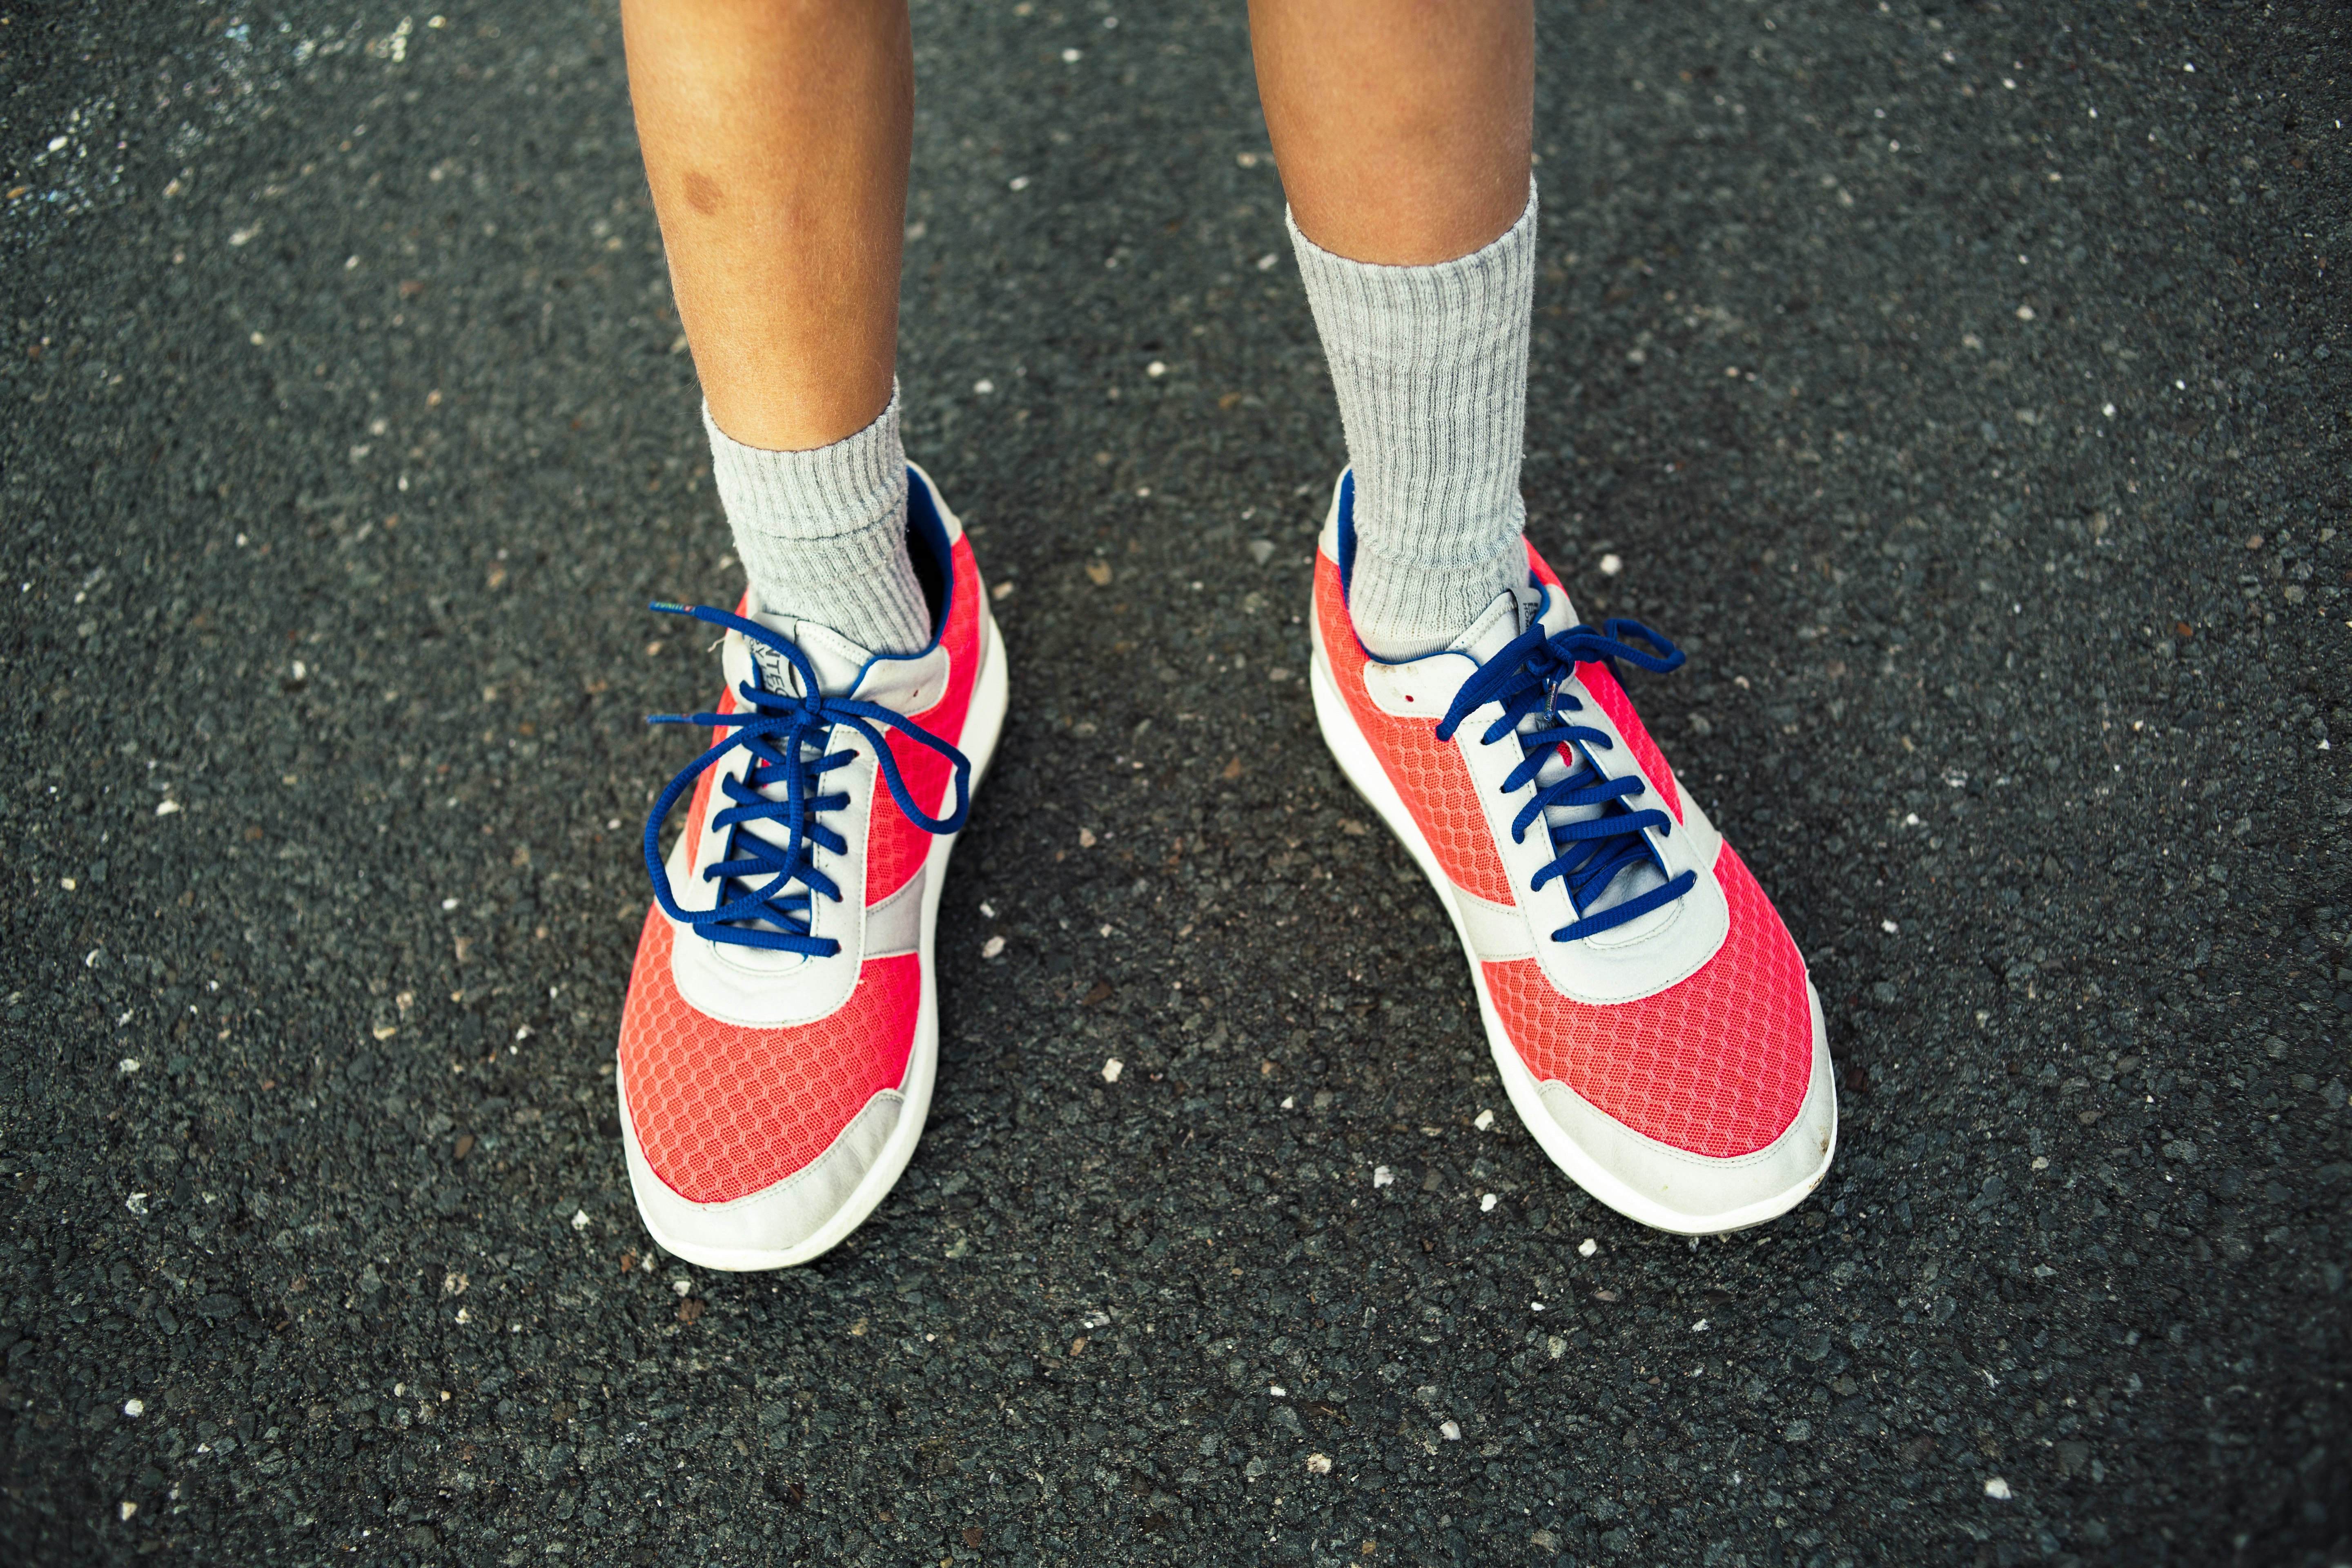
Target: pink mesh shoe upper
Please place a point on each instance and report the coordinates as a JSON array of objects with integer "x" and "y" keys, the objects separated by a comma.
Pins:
[
  {"x": 721, "y": 1111},
  {"x": 1716, "y": 1066},
  {"x": 1432, "y": 778}
]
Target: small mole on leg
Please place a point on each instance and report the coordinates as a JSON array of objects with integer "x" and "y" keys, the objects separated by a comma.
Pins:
[{"x": 702, "y": 192}]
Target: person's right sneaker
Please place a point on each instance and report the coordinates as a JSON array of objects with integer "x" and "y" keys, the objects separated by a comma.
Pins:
[
  {"x": 781, "y": 1028},
  {"x": 1648, "y": 1013}
]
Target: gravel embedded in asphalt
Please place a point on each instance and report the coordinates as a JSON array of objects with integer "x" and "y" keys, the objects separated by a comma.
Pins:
[{"x": 1964, "y": 390}]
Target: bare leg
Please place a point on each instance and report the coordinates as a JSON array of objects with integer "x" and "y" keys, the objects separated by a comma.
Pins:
[
  {"x": 1402, "y": 128},
  {"x": 776, "y": 134}
]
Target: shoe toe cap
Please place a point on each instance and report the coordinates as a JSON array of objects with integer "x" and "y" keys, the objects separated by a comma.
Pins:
[
  {"x": 1675, "y": 1189},
  {"x": 783, "y": 1223}
]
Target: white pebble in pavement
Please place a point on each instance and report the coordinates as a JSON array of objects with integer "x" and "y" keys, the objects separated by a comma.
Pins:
[
  {"x": 1611, "y": 563},
  {"x": 1383, "y": 1177},
  {"x": 1112, "y": 1069},
  {"x": 1485, "y": 1120},
  {"x": 1486, "y": 1204},
  {"x": 684, "y": 1287},
  {"x": 134, "y": 1408},
  {"x": 1449, "y": 1430},
  {"x": 991, "y": 947},
  {"x": 1318, "y": 1463},
  {"x": 128, "y": 1510},
  {"x": 580, "y": 1220},
  {"x": 1586, "y": 1248},
  {"x": 1997, "y": 1488}
]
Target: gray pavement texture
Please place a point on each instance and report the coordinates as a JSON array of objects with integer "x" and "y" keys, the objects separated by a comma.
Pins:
[{"x": 1962, "y": 384}]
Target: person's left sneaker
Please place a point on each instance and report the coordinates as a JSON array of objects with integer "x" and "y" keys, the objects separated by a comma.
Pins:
[
  {"x": 1647, "y": 1012},
  {"x": 781, "y": 1029}
]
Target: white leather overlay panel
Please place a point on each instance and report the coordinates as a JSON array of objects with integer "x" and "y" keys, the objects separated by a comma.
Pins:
[
  {"x": 896, "y": 924},
  {"x": 1643, "y": 956},
  {"x": 1498, "y": 933}
]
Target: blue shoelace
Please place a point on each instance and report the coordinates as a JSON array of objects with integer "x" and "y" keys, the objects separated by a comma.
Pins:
[
  {"x": 759, "y": 905},
  {"x": 1527, "y": 678}
]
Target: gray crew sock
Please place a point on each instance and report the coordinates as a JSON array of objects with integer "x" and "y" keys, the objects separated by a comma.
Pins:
[
  {"x": 1430, "y": 364},
  {"x": 823, "y": 535}
]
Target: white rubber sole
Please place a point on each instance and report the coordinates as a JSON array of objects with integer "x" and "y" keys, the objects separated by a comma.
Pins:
[
  {"x": 1364, "y": 770},
  {"x": 990, "y": 697}
]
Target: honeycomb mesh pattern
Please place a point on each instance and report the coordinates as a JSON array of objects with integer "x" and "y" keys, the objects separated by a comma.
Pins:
[
  {"x": 723, "y": 1111},
  {"x": 1717, "y": 1065},
  {"x": 1430, "y": 776}
]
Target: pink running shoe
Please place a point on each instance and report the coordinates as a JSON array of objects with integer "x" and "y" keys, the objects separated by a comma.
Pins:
[
  {"x": 1650, "y": 1016},
  {"x": 781, "y": 1028}
]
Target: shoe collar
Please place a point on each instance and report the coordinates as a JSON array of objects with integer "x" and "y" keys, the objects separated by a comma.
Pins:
[
  {"x": 1511, "y": 614},
  {"x": 905, "y": 683}
]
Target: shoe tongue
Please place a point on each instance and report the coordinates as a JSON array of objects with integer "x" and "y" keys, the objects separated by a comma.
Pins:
[
  {"x": 838, "y": 662},
  {"x": 1501, "y": 621},
  {"x": 1558, "y": 612}
]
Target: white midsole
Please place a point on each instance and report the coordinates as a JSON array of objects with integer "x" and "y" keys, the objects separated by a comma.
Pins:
[
  {"x": 984, "y": 725},
  {"x": 1364, "y": 770}
]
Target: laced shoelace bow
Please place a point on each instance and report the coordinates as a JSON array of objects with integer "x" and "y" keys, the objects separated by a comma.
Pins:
[
  {"x": 1528, "y": 677},
  {"x": 758, "y": 906}
]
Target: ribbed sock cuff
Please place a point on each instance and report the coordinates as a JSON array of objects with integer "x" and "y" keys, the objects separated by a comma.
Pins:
[
  {"x": 823, "y": 534},
  {"x": 1410, "y": 609},
  {"x": 1429, "y": 368}
]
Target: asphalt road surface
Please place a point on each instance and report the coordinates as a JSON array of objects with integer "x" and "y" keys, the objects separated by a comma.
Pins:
[{"x": 1963, "y": 384}]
